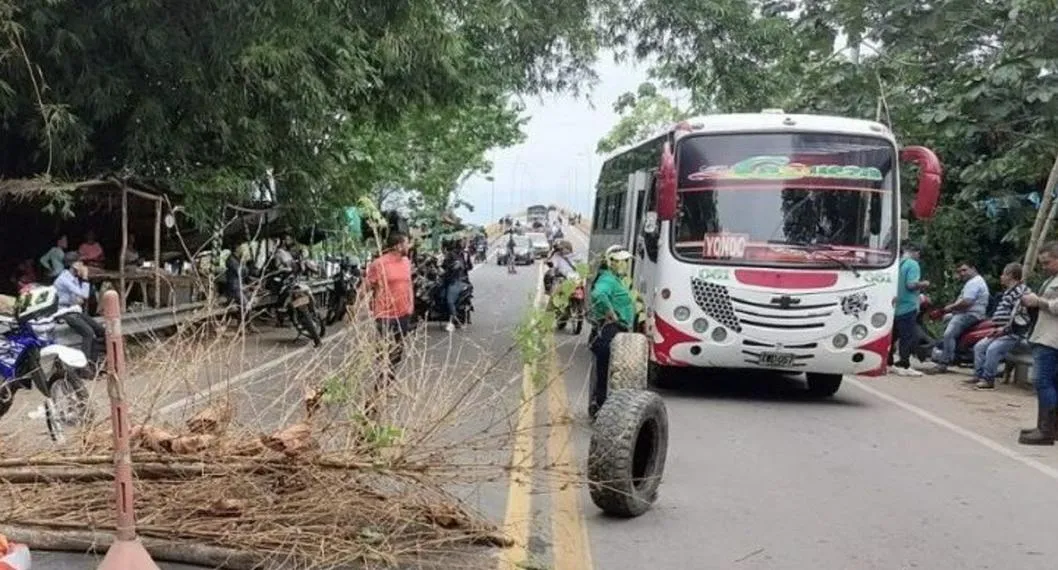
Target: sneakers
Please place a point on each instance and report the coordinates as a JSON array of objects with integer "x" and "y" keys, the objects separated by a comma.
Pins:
[
  {"x": 985, "y": 385},
  {"x": 906, "y": 372},
  {"x": 450, "y": 327}
]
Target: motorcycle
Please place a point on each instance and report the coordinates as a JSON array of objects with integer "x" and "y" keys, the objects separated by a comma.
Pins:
[
  {"x": 569, "y": 304},
  {"x": 428, "y": 285},
  {"x": 930, "y": 347},
  {"x": 343, "y": 289},
  {"x": 299, "y": 304},
  {"x": 31, "y": 358}
]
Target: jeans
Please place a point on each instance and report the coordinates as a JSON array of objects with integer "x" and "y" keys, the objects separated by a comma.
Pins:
[
  {"x": 600, "y": 347},
  {"x": 958, "y": 324},
  {"x": 91, "y": 332},
  {"x": 452, "y": 293},
  {"x": 905, "y": 333},
  {"x": 393, "y": 332},
  {"x": 1044, "y": 369},
  {"x": 989, "y": 352}
]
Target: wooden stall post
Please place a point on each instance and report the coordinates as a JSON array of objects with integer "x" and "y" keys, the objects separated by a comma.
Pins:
[
  {"x": 158, "y": 253},
  {"x": 124, "y": 244}
]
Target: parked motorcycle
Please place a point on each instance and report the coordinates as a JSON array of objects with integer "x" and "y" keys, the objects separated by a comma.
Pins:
[
  {"x": 299, "y": 304},
  {"x": 929, "y": 346},
  {"x": 31, "y": 358},
  {"x": 430, "y": 306},
  {"x": 343, "y": 289}
]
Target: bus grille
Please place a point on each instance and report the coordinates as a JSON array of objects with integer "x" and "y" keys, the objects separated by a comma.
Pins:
[{"x": 715, "y": 302}]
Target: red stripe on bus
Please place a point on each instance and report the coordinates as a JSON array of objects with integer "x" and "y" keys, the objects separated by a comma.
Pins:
[{"x": 786, "y": 279}]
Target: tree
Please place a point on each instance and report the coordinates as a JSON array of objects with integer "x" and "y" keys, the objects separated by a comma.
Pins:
[
  {"x": 976, "y": 82},
  {"x": 643, "y": 113},
  {"x": 209, "y": 96}
]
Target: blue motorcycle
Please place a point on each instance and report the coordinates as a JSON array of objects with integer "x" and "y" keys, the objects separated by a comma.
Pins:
[{"x": 31, "y": 358}]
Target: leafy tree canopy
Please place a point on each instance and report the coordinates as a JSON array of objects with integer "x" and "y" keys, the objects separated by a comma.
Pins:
[
  {"x": 333, "y": 98},
  {"x": 642, "y": 114},
  {"x": 973, "y": 80}
]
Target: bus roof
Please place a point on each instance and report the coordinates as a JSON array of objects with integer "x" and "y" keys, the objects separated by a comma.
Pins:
[{"x": 768, "y": 121}]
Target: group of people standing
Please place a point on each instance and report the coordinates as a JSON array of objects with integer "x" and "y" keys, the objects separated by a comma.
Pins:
[{"x": 1020, "y": 315}]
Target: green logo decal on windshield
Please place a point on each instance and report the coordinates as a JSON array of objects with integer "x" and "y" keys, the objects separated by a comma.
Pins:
[
  {"x": 714, "y": 273},
  {"x": 878, "y": 277},
  {"x": 780, "y": 168}
]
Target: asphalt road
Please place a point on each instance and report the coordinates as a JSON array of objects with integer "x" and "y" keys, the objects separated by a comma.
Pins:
[
  {"x": 885, "y": 475},
  {"x": 889, "y": 474}
]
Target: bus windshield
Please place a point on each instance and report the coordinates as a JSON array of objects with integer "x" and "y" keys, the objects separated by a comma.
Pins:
[{"x": 786, "y": 199}]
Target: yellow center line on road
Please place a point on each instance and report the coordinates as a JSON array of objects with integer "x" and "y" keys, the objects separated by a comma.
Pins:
[
  {"x": 569, "y": 533},
  {"x": 518, "y": 517}
]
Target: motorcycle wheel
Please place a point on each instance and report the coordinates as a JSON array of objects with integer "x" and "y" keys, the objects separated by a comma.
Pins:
[
  {"x": 311, "y": 324},
  {"x": 7, "y": 397},
  {"x": 66, "y": 403}
]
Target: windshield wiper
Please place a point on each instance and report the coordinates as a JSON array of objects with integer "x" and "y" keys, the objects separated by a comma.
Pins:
[{"x": 822, "y": 249}]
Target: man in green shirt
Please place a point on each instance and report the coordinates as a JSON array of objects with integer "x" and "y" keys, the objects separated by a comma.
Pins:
[
  {"x": 905, "y": 321},
  {"x": 613, "y": 311}
]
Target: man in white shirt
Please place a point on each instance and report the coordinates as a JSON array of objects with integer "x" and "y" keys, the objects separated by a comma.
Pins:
[{"x": 970, "y": 308}]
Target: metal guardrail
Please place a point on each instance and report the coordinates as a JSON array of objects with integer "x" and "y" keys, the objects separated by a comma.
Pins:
[{"x": 143, "y": 322}]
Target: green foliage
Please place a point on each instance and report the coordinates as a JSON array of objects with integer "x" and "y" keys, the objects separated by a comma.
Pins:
[
  {"x": 642, "y": 114},
  {"x": 534, "y": 338},
  {"x": 335, "y": 99},
  {"x": 975, "y": 82}
]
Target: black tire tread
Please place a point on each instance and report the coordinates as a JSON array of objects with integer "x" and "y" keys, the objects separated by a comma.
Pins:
[
  {"x": 610, "y": 455},
  {"x": 823, "y": 385}
]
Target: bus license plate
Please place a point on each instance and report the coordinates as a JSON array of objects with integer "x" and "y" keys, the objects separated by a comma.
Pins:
[{"x": 777, "y": 359}]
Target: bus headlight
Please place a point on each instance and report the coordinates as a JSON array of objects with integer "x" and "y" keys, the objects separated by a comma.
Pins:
[
  {"x": 701, "y": 325},
  {"x": 719, "y": 334},
  {"x": 878, "y": 320},
  {"x": 681, "y": 313},
  {"x": 841, "y": 341},
  {"x": 859, "y": 332}
]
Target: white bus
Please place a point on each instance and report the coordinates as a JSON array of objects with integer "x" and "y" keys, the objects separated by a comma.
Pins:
[{"x": 762, "y": 241}]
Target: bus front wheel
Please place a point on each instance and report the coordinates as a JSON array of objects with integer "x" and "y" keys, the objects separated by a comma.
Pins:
[{"x": 822, "y": 385}]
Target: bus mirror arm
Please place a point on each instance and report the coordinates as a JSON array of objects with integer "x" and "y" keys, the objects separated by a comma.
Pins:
[
  {"x": 930, "y": 177},
  {"x": 650, "y": 224}
]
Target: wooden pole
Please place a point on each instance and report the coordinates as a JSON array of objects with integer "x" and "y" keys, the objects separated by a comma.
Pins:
[
  {"x": 124, "y": 244},
  {"x": 1044, "y": 219},
  {"x": 126, "y": 552},
  {"x": 157, "y": 253}
]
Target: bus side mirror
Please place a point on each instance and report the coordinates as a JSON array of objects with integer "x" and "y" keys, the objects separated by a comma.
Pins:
[
  {"x": 667, "y": 185},
  {"x": 930, "y": 174}
]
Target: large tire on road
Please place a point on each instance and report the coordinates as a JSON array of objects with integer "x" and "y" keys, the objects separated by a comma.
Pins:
[
  {"x": 629, "y": 362},
  {"x": 626, "y": 457},
  {"x": 822, "y": 385},
  {"x": 663, "y": 377}
]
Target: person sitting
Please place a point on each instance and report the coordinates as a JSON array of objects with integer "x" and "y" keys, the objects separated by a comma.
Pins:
[
  {"x": 90, "y": 252},
  {"x": 52, "y": 260},
  {"x": 132, "y": 257},
  {"x": 613, "y": 311},
  {"x": 990, "y": 351},
  {"x": 25, "y": 276},
  {"x": 968, "y": 310},
  {"x": 73, "y": 290}
]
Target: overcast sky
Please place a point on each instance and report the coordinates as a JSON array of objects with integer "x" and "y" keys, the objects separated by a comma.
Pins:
[{"x": 557, "y": 162}]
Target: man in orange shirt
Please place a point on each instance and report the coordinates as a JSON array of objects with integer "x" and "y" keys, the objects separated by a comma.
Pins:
[{"x": 388, "y": 279}]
